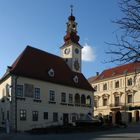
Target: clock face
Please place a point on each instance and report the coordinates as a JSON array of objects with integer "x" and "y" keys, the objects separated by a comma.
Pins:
[
  {"x": 76, "y": 65},
  {"x": 76, "y": 50},
  {"x": 67, "y": 51}
]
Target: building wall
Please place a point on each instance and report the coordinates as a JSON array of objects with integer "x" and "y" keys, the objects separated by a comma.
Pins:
[
  {"x": 5, "y": 97},
  {"x": 43, "y": 104},
  {"x": 123, "y": 91}
]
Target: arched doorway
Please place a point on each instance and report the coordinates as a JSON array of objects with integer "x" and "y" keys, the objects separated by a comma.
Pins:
[
  {"x": 118, "y": 117},
  {"x": 137, "y": 115}
]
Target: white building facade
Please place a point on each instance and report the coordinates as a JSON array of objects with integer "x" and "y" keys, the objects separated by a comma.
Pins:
[{"x": 40, "y": 89}]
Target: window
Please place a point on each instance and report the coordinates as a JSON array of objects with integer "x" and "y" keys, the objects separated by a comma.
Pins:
[
  {"x": 37, "y": 93},
  {"x": 70, "y": 98},
  {"x": 111, "y": 85},
  {"x": 104, "y": 101},
  {"x": 117, "y": 84},
  {"x": 129, "y": 98},
  {"x": 129, "y": 82},
  {"x": 3, "y": 115},
  {"x": 55, "y": 117},
  {"x": 95, "y": 103},
  {"x": 88, "y": 100},
  {"x": 63, "y": 97},
  {"x": 52, "y": 95},
  {"x": 35, "y": 115},
  {"x": 77, "y": 99},
  {"x": 29, "y": 90},
  {"x": 23, "y": 114},
  {"x": 83, "y": 100},
  {"x": 104, "y": 86},
  {"x": 45, "y": 115},
  {"x": 95, "y": 88},
  {"x": 117, "y": 101},
  {"x": 8, "y": 117},
  {"x": 19, "y": 91}
]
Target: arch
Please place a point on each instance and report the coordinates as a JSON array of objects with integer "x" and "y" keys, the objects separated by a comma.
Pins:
[
  {"x": 77, "y": 99},
  {"x": 83, "y": 100},
  {"x": 88, "y": 100}
]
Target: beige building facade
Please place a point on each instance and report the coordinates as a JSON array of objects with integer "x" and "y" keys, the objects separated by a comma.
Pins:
[{"x": 118, "y": 93}]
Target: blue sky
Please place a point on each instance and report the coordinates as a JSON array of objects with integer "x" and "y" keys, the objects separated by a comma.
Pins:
[{"x": 42, "y": 24}]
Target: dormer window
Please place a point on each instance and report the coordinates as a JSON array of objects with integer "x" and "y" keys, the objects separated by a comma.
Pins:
[
  {"x": 113, "y": 73},
  {"x": 75, "y": 79},
  {"x": 51, "y": 73}
]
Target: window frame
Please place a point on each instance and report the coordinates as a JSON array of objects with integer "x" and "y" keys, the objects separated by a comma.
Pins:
[
  {"x": 105, "y": 86},
  {"x": 129, "y": 100},
  {"x": 63, "y": 97},
  {"x": 70, "y": 98},
  {"x": 45, "y": 115},
  {"x": 117, "y": 84},
  {"x": 105, "y": 103},
  {"x": 37, "y": 93},
  {"x": 19, "y": 90},
  {"x": 55, "y": 116},
  {"x": 129, "y": 82},
  {"x": 52, "y": 95},
  {"x": 35, "y": 115},
  {"x": 23, "y": 114}
]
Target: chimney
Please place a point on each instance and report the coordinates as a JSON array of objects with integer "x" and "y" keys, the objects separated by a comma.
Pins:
[{"x": 97, "y": 73}]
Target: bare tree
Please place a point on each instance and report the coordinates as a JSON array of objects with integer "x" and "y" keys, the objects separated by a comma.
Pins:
[{"x": 127, "y": 46}]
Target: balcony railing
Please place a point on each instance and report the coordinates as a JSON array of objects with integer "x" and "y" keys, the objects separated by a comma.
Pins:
[{"x": 117, "y": 105}]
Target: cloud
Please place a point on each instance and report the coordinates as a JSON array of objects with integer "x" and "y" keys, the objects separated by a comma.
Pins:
[{"x": 88, "y": 53}]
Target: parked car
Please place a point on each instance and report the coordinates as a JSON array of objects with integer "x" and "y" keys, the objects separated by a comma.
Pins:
[{"x": 87, "y": 121}]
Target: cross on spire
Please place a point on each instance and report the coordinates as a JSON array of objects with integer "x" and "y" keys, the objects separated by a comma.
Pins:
[{"x": 71, "y": 6}]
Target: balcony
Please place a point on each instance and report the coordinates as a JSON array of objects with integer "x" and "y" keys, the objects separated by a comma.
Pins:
[{"x": 117, "y": 106}]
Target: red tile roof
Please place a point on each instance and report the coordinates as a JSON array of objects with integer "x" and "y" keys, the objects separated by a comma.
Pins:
[
  {"x": 119, "y": 70},
  {"x": 35, "y": 63}
]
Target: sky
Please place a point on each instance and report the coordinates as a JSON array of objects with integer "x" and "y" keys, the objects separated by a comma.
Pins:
[{"x": 42, "y": 24}]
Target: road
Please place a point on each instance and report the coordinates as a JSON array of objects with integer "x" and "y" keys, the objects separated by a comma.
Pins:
[{"x": 130, "y": 133}]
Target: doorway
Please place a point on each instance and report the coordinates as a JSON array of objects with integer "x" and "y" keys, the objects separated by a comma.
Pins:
[
  {"x": 118, "y": 117},
  {"x": 130, "y": 117},
  {"x": 65, "y": 118},
  {"x": 137, "y": 115}
]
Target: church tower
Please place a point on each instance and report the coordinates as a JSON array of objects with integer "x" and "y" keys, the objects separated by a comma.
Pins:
[{"x": 71, "y": 50}]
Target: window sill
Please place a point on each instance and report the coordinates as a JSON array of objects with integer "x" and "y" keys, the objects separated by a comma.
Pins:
[
  {"x": 63, "y": 103},
  {"x": 70, "y": 104},
  {"x": 77, "y": 104},
  {"x": 37, "y": 100},
  {"x": 20, "y": 98},
  {"x": 52, "y": 102}
]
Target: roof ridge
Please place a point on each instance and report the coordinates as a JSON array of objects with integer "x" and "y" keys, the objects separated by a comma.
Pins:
[{"x": 121, "y": 65}]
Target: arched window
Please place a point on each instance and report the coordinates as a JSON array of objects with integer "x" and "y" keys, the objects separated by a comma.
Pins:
[
  {"x": 77, "y": 99},
  {"x": 88, "y": 100},
  {"x": 83, "y": 100}
]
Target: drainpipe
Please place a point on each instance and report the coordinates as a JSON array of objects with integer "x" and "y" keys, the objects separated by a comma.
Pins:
[
  {"x": 16, "y": 77},
  {"x": 125, "y": 99}
]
